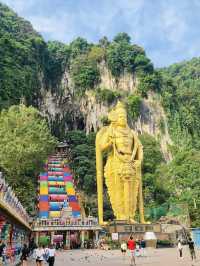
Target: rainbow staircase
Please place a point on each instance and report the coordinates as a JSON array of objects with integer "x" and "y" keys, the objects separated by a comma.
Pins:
[{"x": 57, "y": 194}]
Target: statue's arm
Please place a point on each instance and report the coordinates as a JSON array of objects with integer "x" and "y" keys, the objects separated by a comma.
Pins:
[
  {"x": 140, "y": 150},
  {"x": 105, "y": 139},
  {"x": 137, "y": 153},
  {"x": 101, "y": 145}
]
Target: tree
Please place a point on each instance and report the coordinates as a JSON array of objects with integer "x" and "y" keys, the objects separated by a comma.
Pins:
[
  {"x": 104, "y": 42},
  {"x": 134, "y": 103},
  {"x": 57, "y": 61},
  {"x": 79, "y": 46},
  {"x": 154, "y": 193},
  {"x": 122, "y": 37},
  {"x": 22, "y": 57},
  {"x": 25, "y": 143},
  {"x": 85, "y": 73},
  {"x": 181, "y": 178}
]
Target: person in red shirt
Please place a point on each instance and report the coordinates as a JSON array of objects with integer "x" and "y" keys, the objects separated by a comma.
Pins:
[{"x": 131, "y": 247}]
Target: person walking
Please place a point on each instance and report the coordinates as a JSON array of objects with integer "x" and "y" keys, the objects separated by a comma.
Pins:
[
  {"x": 143, "y": 246},
  {"x": 123, "y": 249},
  {"x": 39, "y": 254},
  {"x": 131, "y": 247},
  {"x": 24, "y": 256},
  {"x": 180, "y": 249},
  {"x": 192, "y": 249},
  {"x": 51, "y": 255},
  {"x": 2, "y": 246}
]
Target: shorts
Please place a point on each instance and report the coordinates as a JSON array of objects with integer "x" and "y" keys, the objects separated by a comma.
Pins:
[
  {"x": 39, "y": 260},
  {"x": 123, "y": 250},
  {"x": 132, "y": 252}
]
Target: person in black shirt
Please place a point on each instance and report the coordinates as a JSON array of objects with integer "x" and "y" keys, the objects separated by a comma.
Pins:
[
  {"x": 191, "y": 248},
  {"x": 24, "y": 256},
  {"x": 143, "y": 246}
]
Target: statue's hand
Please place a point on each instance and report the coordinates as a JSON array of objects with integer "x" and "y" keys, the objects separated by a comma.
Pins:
[
  {"x": 107, "y": 145},
  {"x": 136, "y": 162}
]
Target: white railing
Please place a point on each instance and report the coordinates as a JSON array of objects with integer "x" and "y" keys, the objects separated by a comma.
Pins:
[{"x": 68, "y": 222}]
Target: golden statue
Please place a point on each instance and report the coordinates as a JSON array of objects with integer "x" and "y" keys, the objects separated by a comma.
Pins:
[{"x": 122, "y": 170}]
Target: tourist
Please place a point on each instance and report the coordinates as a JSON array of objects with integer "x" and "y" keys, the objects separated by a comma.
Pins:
[
  {"x": 51, "y": 255},
  {"x": 137, "y": 248},
  {"x": 192, "y": 249},
  {"x": 143, "y": 246},
  {"x": 39, "y": 254},
  {"x": 180, "y": 249},
  {"x": 2, "y": 246},
  {"x": 24, "y": 256},
  {"x": 131, "y": 247},
  {"x": 123, "y": 249}
]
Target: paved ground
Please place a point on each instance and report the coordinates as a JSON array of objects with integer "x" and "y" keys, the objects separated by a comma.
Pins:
[{"x": 161, "y": 257}]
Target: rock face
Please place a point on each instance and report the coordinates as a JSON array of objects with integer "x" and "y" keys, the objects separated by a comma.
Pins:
[{"x": 65, "y": 111}]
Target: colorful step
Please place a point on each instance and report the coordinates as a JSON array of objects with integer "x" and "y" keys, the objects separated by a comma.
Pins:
[{"x": 56, "y": 190}]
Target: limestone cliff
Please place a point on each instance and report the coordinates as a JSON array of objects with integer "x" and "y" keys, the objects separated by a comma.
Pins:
[{"x": 66, "y": 111}]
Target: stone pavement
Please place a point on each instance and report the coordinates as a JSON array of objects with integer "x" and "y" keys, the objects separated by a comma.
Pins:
[{"x": 161, "y": 257}]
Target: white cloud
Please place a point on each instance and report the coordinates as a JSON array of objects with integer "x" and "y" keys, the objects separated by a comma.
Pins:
[{"x": 173, "y": 25}]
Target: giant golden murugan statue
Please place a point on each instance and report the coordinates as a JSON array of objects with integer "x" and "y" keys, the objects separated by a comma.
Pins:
[{"x": 122, "y": 170}]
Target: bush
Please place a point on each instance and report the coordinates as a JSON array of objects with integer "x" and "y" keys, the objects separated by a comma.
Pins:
[
  {"x": 106, "y": 95},
  {"x": 122, "y": 37},
  {"x": 58, "y": 59},
  {"x": 134, "y": 103},
  {"x": 79, "y": 46},
  {"x": 96, "y": 54},
  {"x": 105, "y": 121},
  {"x": 164, "y": 243},
  {"x": 85, "y": 73},
  {"x": 148, "y": 82},
  {"x": 122, "y": 55}
]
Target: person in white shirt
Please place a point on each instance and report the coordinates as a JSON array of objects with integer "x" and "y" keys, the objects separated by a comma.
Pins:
[
  {"x": 51, "y": 255},
  {"x": 180, "y": 249},
  {"x": 39, "y": 254},
  {"x": 123, "y": 249}
]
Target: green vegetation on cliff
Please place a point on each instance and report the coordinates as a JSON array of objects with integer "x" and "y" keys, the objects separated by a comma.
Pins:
[
  {"x": 181, "y": 100},
  {"x": 21, "y": 59}
]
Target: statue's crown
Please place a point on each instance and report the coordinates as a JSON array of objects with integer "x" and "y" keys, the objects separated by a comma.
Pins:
[{"x": 113, "y": 115}]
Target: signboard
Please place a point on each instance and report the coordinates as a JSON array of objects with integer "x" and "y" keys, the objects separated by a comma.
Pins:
[{"x": 115, "y": 236}]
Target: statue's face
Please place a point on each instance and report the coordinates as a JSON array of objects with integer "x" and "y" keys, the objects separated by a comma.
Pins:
[{"x": 122, "y": 119}]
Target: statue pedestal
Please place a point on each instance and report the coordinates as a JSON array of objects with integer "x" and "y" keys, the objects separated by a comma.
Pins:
[{"x": 125, "y": 229}]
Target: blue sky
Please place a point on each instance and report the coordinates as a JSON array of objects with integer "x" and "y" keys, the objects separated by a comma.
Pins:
[{"x": 169, "y": 30}]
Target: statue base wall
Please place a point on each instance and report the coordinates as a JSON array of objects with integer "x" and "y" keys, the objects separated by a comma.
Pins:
[{"x": 126, "y": 229}]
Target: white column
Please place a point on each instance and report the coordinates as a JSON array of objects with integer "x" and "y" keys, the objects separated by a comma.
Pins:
[
  {"x": 52, "y": 235},
  {"x": 67, "y": 244},
  {"x": 97, "y": 236},
  {"x": 82, "y": 238},
  {"x": 37, "y": 238}
]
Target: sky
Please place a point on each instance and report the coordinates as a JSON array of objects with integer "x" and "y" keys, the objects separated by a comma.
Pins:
[{"x": 169, "y": 30}]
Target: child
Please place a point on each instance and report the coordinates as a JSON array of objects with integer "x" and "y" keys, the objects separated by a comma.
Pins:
[{"x": 123, "y": 249}]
